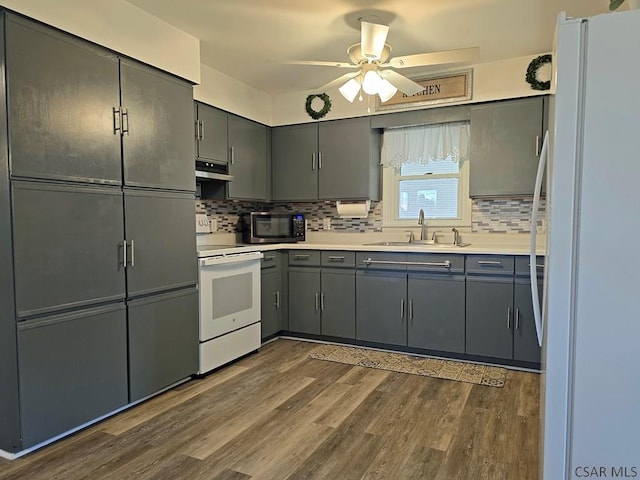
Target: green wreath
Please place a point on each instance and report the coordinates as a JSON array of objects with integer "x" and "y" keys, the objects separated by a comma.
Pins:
[
  {"x": 532, "y": 73},
  {"x": 320, "y": 113}
]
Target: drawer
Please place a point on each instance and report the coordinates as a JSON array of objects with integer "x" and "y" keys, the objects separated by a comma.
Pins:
[
  {"x": 309, "y": 258},
  {"x": 435, "y": 263},
  {"x": 490, "y": 264},
  {"x": 522, "y": 265},
  {"x": 338, "y": 259},
  {"x": 381, "y": 261},
  {"x": 270, "y": 260}
]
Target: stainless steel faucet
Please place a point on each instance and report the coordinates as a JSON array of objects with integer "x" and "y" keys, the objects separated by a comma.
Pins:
[
  {"x": 423, "y": 225},
  {"x": 456, "y": 236}
]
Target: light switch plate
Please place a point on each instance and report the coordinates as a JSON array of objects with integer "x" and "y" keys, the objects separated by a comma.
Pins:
[{"x": 202, "y": 223}]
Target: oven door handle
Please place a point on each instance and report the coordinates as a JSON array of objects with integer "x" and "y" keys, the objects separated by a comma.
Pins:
[{"x": 231, "y": 258}]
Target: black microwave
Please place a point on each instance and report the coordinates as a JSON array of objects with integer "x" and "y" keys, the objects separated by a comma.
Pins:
[{"x": 266, "y": 227}]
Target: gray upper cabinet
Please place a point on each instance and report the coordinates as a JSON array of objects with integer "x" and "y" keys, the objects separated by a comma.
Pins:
[
  {"x": 331, "y": 160},
  {"x": 157, "y": 134},
  {"x": 161, "y": 253},
  {"x": 248, "y": 159},
  {"x": 349, "y": 160},
  {"x": 79, "y": 257},
  {"x": 211, "y": 133},
  {"x": 61, "y": 99},
  {"x": 294, "y": 162},
  {"x": 506, "y": 138}
]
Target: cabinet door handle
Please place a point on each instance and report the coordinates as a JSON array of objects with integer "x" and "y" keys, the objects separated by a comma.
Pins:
[
  {"x": 197, "y": 129},
  {"x": 232, "y": 156},
  {"x": 402, "y": 308},
  {"x": 133, "y": 254},
  {"x": 410, "y": 309},
  {"x": 201, "y": 129},
  {"x": 317, "y": 301},
  {"x": 319, "y": 160},
  {"x": 322, "y": 301},
  {"x": 517, "y": 319},
  {"x": 489, "y": 262},
  {"x": 125, "y": 114},
  {"x": 509, "y": 317},
  {"x": 335, "y": 258},
  {"x": 124, "y": 253},
  {"x": 117, "y": 121},
  {"x": 313, "y": 161},
  {"x": 277, "y": 299}
]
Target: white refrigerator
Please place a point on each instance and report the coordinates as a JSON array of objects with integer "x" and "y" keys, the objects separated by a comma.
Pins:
[{"x": 590, "y": 329}]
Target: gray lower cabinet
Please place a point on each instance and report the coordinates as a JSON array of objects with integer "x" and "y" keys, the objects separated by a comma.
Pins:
[
  {"x": 161, "y": 241},
  {"x": 73, "y": 369},
  {"x": 489, "y": 306},
  {"x": 273, "y": 296},
  {"x": 248, "y": 159},
  {"x": 381, "y": 307},
  {"x": 338, "y": 303},
  {"x": 506, "y": 138},
  {"x": 436, "y": 312},
  {"x": 163, "y": 341},
  {"x": 525, "y": 339},
  {"x": 78, "y": 258},
  {"x": 304, "y": 300},
  {"x": 211, "y": 133},
  {"x": 338, "y": 159}
]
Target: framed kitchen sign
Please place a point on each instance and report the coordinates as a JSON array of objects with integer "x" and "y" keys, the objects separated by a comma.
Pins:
[{"x": 442, "y": 88}]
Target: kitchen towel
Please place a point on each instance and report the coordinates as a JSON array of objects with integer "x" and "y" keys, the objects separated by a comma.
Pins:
[{"x": 403, "y": 363}]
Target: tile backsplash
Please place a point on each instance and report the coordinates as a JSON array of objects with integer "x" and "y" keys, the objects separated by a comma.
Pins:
[{"x": 497, "y": 215}]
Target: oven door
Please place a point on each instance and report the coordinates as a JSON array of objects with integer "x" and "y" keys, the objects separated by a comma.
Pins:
[{"x": 229, "y": 293}]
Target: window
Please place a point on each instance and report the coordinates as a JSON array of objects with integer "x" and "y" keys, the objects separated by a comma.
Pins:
[{"x": 426, "y": 168}]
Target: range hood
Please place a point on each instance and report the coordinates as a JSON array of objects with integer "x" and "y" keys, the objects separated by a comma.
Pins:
[{"x": 212, "y": 171}]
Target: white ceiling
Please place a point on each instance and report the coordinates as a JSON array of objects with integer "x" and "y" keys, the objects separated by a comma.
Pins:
[{"x": 239, "y": 37}]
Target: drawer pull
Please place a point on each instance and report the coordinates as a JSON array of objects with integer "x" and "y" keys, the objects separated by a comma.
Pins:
[
  {"x": 369, "y": 261},
  {"x": 537, "y": 265},
  {"x": 301, "y": 257},
  {"x": 269, "y": 259},
  {"x": 335, "y": 258},
  {"x": 489, "y": 262}
]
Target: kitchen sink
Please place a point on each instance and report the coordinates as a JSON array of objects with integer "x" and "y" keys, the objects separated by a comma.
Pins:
[{"x": 419, "y": 244}]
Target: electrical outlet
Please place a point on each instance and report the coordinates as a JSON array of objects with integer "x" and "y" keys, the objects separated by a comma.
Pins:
[{"x": 326, "y": 223}]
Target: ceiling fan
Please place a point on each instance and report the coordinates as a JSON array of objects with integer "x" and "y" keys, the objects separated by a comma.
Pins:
[{"x": 375, "y": 74}]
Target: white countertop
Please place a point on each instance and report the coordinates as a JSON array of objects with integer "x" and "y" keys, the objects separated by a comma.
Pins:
[{"x": 499, "y": 246}]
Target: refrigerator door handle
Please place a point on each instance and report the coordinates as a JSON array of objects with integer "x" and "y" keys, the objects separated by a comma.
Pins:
[{"x": 533, "y": 273}]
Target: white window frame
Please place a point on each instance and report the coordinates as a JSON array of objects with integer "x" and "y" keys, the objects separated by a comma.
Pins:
[{"x": 390, "y": 198}]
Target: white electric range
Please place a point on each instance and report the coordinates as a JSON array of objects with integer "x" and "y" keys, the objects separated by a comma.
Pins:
[{"x": 229, "y": 289}]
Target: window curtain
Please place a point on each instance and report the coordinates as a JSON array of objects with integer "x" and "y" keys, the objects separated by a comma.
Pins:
[{"x": 425, "y": 143}]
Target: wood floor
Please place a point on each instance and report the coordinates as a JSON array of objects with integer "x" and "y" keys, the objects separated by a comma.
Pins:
[{"x": 279, "y": 415}]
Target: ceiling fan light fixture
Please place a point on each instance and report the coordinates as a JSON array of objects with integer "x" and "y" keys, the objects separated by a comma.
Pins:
[
  {"x": 371, "y": 82},
  {"x": 386, "y": 90},
  {"x": 350, "y": 89}
]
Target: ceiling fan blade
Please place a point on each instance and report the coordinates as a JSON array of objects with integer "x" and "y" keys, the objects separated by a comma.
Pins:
[
  {"x": 403, "y": 84},
  {"x": 314, "y": 63},
  {"x": 435, "y": 58},
  {"x": 372, "y": 39},
  {"x": 338, "y": 81}
]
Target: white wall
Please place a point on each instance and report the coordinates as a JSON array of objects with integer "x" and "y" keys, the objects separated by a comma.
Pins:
[
  {"x": 491, "y": 81},
  {"x": 229, "y": 94},
  {"x": 122, "y": 27}
]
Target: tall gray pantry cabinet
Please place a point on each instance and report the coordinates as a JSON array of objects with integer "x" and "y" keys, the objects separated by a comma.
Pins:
[{"x": 97, "y": 251}]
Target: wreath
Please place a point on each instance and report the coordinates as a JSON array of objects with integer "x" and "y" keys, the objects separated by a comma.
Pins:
[
  {"x": 532, "y": 73},
  {"x": 319, "y": 113}
]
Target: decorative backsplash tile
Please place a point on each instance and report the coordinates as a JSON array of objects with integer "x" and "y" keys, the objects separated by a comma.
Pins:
[{"x": 504, "y": 215}]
